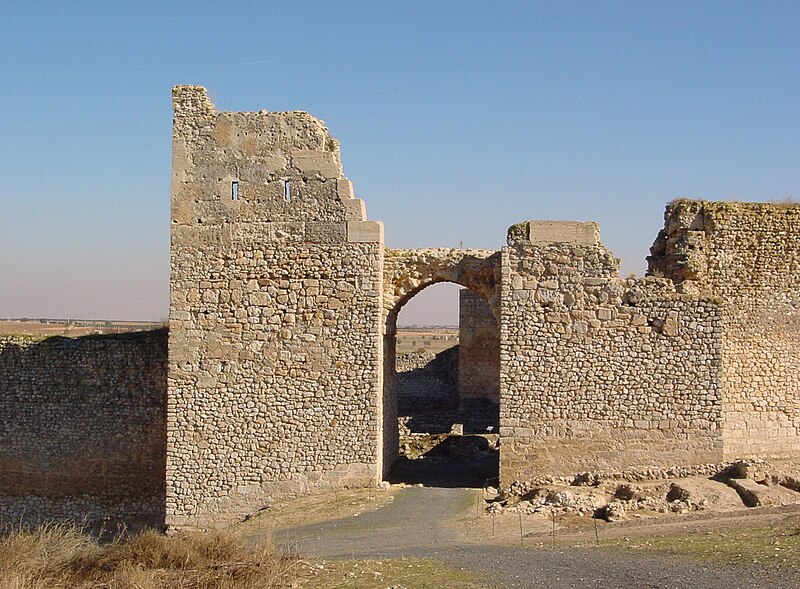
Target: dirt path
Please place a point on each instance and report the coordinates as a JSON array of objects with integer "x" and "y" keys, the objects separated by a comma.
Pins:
[
  {"x": 442, "y": 524},
  {"x": 419, "y": 517}
]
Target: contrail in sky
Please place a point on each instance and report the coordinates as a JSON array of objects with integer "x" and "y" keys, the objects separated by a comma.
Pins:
[{"x": 256, "y": 62}]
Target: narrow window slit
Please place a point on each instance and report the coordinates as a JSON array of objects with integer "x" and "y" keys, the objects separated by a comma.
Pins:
[
  {"x": 287, "y": 191},
  {"x": 235, "y": 190}
]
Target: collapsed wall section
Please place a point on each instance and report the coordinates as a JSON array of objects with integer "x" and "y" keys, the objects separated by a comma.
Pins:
[
  {"x": 275, "y": 320},
  {"x": 597, "y": 372},
  {"x": 748, "y": 256},
  {"x": 83, "y": 434}
]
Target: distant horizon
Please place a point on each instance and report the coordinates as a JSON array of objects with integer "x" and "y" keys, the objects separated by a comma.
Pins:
[
  {"x": 25, "y": 318},
  {"x": 145, "y": 322}
]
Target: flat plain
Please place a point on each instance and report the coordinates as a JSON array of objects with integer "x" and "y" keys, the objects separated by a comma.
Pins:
[
  {"x": 43, "y": 328},
  {"x": 433, "y": 339}
]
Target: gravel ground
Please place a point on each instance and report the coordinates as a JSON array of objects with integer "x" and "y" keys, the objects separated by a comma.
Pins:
[
  {"x": 521, "y": 568},
  {"x": 434, "y": 523}
]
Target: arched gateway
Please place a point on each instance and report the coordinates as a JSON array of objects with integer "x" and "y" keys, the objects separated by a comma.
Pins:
[
  {"x": 284, "y": 301},
  {"x": 407, "y": 272}
]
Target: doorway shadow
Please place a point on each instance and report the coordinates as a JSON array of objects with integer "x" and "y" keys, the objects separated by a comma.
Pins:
[{"x": 456, "y": 462}]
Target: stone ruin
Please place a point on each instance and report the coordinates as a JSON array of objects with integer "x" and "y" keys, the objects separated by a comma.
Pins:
[
  {"x": 281, "y": 377},
  {"x": 459, "y": 386}
]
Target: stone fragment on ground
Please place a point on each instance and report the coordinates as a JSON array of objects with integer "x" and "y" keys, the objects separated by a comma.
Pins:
[
  {"x": 727, "y": 488},
  {"x": 763, "y": 494}
]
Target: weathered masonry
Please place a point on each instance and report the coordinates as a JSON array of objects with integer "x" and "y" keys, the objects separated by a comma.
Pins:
[
  {"x": 83, "y": 433},
  {"x": 279, "y": 374},
  {"x": 275, "y": 345},
  {"x": 284, "y": 303}
]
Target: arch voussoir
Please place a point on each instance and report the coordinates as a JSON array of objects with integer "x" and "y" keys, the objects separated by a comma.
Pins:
[{"x": 406, "y": 272}]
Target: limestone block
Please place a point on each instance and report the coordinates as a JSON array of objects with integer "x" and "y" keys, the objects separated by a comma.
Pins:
[
  {"x": 275, "y": 162},
  {"x": 344, "y": 188},
  {"x": 365, "y": 231},
  {"x": 552, "y": 232},
  {"x": 546, "y": 295},
  {"x": 320, "y": 232},
  {"x": 542, "y": 232},
  {"x": 285, "y": 231},
  {"x": 355, "y": 209},
  {"x": 312, "y": 162},
  {"x": 604, "y": 314}
]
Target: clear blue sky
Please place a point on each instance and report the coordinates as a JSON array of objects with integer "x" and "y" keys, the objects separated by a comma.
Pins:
[{"x": 456, "y": 119}]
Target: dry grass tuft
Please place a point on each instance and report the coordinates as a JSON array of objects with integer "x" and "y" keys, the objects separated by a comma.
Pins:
[{"x": 62, "y": 557}]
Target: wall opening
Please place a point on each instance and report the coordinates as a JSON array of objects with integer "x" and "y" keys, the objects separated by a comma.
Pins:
[
  {"x": 441, "y": 410},
  {"x": 287, "y": 190},
  {"x": 235, "y": 190}
]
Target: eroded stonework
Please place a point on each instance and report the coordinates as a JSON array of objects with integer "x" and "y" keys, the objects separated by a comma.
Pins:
[
  {"x": 284, "y": 302},
  {"x": 276, "y": 310},
  {"x": 281, "y": 371},
  {"x": 748, "y": 256},
  {"x": 598, "y": 372}
]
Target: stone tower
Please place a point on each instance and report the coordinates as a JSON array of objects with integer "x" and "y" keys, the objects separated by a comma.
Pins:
[{"x": 275, "y": 314}]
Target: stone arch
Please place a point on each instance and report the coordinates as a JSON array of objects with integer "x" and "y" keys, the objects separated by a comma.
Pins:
[{"x": 406, "y": 273}]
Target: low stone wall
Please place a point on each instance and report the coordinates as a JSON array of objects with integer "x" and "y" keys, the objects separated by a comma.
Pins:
[
  {"x": 427, "y": 381},
  {"x": 427, "y": 392},
  {"x": 429, "y": 400},
  {"x": 83, "y": 433}
]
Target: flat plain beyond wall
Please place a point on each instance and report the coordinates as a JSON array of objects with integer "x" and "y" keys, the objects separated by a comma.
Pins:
[{"x": 83, "y": 433}]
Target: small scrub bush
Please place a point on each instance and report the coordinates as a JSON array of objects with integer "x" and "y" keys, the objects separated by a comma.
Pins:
[
  {"x": 624, "y": 492},
  {"x": 677, "y": 493}
]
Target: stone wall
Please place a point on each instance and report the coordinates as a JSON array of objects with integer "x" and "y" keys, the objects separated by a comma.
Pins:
[
  {"x": 281, "y": 378},
  {"x": 427, "y": 392},
  {"x": 410, "y": 361},
  {"x": 598, "y": 372},
  {"x": 479, "y": 349},
  {"x": 427, "y": 381},
  {"x": 748, "y": 256},
  {"x": 83, "y": 433},
  {"x": 275, "y": 316}
]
